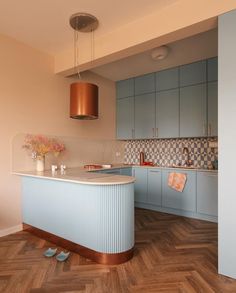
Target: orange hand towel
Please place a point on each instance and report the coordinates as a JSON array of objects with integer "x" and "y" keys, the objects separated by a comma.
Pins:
[{"x": 177, "y": 181}]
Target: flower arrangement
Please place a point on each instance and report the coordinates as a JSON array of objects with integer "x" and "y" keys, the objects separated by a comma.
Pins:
[{"x": 40, "y": 145}]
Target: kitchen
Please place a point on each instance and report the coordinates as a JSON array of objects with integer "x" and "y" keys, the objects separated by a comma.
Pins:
[{"x": 98, "y": 129}]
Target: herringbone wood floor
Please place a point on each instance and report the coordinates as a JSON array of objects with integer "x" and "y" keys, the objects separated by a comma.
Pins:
[{"x": 172, "y": 254}]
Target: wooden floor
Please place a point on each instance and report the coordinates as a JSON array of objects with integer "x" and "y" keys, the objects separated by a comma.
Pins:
[{"x": 172, "y": 254}]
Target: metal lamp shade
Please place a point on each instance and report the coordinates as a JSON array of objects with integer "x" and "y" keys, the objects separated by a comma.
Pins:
[{"x": 83, "y": 101}]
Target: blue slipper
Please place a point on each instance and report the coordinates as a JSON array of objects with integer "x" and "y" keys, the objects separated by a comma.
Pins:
[
  {"x": 62, "y": 256},
  {"x": 50, "y": 252}
]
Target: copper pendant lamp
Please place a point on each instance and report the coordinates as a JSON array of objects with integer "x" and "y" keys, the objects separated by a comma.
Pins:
[{"x": 83, "y": 95}]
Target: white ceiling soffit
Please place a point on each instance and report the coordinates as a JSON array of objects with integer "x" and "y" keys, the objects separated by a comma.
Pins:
[
  {"x": 44, "y": 24},
  {"x": 185, "y": 51}
]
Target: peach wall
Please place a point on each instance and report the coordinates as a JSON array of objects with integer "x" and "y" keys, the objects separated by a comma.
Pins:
[
  {"x": 177, "y": 21},
  {"x": 34, "y": 100}
]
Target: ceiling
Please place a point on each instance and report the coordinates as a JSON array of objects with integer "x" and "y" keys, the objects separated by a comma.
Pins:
[
  {"x": 198, "y": 47},
  {"x": 44, "y": 24}
]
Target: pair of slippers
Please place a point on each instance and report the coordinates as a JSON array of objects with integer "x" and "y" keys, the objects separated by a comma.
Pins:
[{"x": 62, "y": 256}]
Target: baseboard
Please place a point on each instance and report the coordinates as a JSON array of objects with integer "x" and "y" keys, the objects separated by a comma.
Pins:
[{"x": 14, "y": 229}]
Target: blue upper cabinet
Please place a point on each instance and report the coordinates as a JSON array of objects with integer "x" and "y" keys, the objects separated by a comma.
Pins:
[
  {"x": 125, "y": 88},
  {"x": 125, "y": 118},
  {"x": 212, "y": 100},
  {"x": 167, "y": 114},
  {"x": 167, "y": 79},
  {"x": 212, "y": 69},
  {"x": 144, "y": 116},
  {"x": 193, "y": 114},
  {"x": 144, "y": 84},
  {"x": 193, "y": 73}
]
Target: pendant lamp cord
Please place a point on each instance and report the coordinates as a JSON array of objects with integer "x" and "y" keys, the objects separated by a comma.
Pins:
[
  {"x": 92, "y": 47},
  {"x": 76, "y": 53}
]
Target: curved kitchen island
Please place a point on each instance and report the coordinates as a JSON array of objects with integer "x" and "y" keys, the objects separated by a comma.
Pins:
[{"x": 86, "y": 212}]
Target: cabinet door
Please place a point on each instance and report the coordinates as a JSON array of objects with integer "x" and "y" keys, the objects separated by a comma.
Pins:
[
  {"x": 207, "y": 193},
  {"x": 212, "y": 109},
  {"x": 193, "y": 111},
  {"x": 193, "y": 73},
  {"x": 145, "y": 84},
  {"x": 185, "y": 200},
  {"x": 154, "y": 187},
  {"x": 126, "y": 171},
  {"x": 125, "y": 88},
  {"x": 145, "y": 116},
  {"x": 167, "y": 114},
  {"x": 125, "y": 118},
  {"x": 112, "y": 171},
  {"x": 167, "y": 79},
  {"x": 140, "y": 185},
  {"x": 212, "y": 69}
]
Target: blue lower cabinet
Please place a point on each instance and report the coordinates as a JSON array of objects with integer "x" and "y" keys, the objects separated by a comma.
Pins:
[
  {"x": 112, "y": 171},
  {"x": 140, "y": 185},
  {"x": 126, "y": 171},
  {"x": 207, "y": 193},
  {"x": 154, "y": 187},
  {"x": 185, "y": 200}
]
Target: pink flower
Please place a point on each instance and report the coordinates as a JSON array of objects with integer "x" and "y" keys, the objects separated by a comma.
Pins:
[{"x": 40, "y": 145}]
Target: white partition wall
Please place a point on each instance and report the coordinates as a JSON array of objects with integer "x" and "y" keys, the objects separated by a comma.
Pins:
[{"x": 227, "y": 144}]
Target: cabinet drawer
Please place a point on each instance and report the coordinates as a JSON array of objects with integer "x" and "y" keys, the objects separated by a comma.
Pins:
[{"x": 185, "y": 200}]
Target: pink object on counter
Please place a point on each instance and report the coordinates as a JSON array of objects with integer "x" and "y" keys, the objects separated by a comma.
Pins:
[{"x": 177, "y": 181}]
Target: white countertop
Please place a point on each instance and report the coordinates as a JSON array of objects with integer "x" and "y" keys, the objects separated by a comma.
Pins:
[
  {"x": 79, "y": 175},
  {"x": 83, "y": 176}
]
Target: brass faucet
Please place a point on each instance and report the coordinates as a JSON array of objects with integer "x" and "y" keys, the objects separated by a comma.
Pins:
[{"x": 188, "y": 162}]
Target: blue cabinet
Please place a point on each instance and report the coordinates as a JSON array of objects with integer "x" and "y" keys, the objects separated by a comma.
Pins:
[
  {"x": 126, "y": 171},
  {"x": 212, "y": 69},
  {"x": 112, "y": 171},
  {"x": 193, "y": 73},
  {"x": 144, "y": 84},
  {"x": 177, "y": 102},
  {"x": 185, "y": 200},
  {"x": 145, "y": 116},
  {"x": 125, "y": 118},
  {"x": 193, "y": 114},
  {"x": 167, "y": 114},
  {"x": 154, "y": 187},
  {"x": 167, "y": 79},
  {"x": 207, "y": 193},
  {"x": 125, "y": 88},
  {"x": 212, "y": 100},
  {"x": 140, "y": 185}
]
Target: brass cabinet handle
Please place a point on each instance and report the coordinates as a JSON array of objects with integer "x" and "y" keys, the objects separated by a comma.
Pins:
[
  {"x": 157, "y": 132},
  {"x": 153, "y": 132},
  {"x": 209, "y": 129}
]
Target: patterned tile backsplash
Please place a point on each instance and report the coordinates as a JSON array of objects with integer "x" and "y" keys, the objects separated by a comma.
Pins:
[{"x": 166, "y": 152}]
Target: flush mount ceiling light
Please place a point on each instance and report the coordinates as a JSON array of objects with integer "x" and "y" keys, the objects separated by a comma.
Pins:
[
  {"x": 83, "y": 95},
  {"x": 160, "y": 53}
]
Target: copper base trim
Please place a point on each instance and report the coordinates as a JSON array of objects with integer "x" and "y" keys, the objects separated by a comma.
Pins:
[{"x": 101, "y": 258}]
